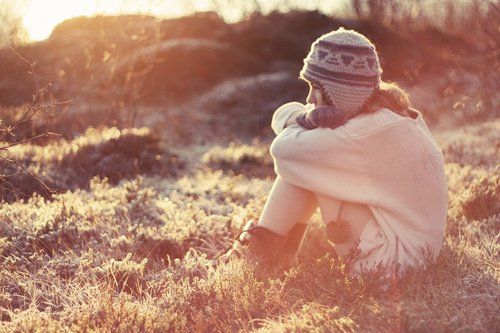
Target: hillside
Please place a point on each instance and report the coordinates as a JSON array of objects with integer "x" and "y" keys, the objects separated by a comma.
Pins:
[
  {"x": 159, "y": 157},
  {"x": 115, "y": 64}
]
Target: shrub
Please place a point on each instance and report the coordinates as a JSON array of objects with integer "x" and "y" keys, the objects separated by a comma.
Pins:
[
  {"x": 239, "y": 109},
  {"x": 112, "y": 154},
  {"x": 124, "y": 275},
  {"x": 483, "y": 200},
  {"x": 109, "y": 153},
  {"x": 249, "y": 160}
]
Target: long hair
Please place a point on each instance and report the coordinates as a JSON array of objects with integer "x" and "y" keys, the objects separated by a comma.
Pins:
[{"x": 389, "y": 95}]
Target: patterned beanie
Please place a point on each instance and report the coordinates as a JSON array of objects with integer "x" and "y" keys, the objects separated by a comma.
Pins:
[{"x": 345, "y": 64}]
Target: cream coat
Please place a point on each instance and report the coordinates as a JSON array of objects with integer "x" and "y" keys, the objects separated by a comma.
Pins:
[{"x": 382, "y": 160}]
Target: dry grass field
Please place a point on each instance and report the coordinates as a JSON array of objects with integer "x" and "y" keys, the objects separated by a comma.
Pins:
[{"x": 111, "y": 223}]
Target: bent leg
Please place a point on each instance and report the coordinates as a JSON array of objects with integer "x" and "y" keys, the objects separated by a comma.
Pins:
[
  {"x": 356, "y": 215},
  {"x": 286, "y": 206}
]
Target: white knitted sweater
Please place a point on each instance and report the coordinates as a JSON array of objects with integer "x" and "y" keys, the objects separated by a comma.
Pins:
[{"x": 383, "y": 160}]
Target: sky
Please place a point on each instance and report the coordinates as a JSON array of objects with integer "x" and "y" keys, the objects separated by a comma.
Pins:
[{"x": 41, "y": 16}]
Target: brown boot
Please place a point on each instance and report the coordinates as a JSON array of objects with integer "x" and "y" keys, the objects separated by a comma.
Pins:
[
  {"x": 292, "y": 245},
  {"x": 257, "y": 245}
]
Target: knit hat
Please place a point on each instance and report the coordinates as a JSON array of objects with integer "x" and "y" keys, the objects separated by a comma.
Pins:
[{"x": 345, "y": 64}]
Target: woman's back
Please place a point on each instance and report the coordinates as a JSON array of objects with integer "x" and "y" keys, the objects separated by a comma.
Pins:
[{"x": 383, "y": 160}]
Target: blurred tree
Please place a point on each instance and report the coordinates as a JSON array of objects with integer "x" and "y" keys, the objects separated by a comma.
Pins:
[
  {"x": 389, "y": 11},
  {"x": 234, "y": 10},
  {"x": 461, "y": 16},
  {"x": 12, "y": 31}
]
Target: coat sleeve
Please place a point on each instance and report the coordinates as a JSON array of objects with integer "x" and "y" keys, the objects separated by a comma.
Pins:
[
  {"x": 283, "y": 113},
  {"x": 325, "y": 161}
]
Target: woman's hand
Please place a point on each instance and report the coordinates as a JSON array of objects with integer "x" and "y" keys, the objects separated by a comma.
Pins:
[{"x": 321, "y": 116}]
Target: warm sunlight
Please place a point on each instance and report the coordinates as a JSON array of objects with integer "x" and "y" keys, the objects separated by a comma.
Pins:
[
  {"x": 43, "y": 15},
  {"x": 165, "y": 166}
]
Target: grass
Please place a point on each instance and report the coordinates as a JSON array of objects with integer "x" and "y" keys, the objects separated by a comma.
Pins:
[{"x": 134, "y": 254}]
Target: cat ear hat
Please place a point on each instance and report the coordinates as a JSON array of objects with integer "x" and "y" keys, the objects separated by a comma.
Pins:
[{"x": 345, "y": 64}]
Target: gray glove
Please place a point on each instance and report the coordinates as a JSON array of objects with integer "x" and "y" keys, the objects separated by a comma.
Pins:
[{"x": 322, "y": 116}]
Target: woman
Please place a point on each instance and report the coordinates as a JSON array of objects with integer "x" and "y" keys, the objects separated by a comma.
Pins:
[{"x": 359, "y": 153}]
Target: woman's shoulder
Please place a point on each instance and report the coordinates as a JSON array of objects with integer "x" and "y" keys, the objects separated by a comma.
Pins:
[{"x": 381, "y": 119}]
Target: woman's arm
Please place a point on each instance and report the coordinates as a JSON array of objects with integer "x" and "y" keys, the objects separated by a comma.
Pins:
[
  {"x": 323, "y": 161},
  {"x": 307, "y": 116},
  {"x": 285, "y": 115},
  {"x": 321, "y": 116}
]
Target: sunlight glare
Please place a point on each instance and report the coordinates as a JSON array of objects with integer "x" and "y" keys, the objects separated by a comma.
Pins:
[{"x": 42, "y": 16}]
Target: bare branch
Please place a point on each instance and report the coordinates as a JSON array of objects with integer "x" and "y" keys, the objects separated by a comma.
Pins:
[
  {"x": 28, "y": 115},
  {"x": 25, "y": 170}
]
